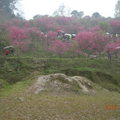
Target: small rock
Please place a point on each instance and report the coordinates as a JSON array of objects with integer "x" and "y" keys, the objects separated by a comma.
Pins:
[{"x": 21, "y": 99}]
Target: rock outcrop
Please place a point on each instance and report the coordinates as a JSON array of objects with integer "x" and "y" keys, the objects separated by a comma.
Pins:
[{"x": 62, "y": 83}]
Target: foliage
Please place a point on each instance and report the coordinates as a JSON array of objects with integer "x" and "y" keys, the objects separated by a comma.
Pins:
[
  {"x": 75, "y": 13},
  {"x": 59, "y": 47},
  {"x": 96, "y": 15},
  {"x": 98, "y": 70},
  {"x": 18, "y": 37},
  {"x": 40, "y": 34},
  {"x": 91, "y": 42},
  {"x": 113, "y": 46},
  {"x": 8, "y": 5},
  {"x": 117, "y": 9},
  {"x": 4, "y": 40},
  {"x": 115, "y": 24},
  {"x": 7, "y": 8}
]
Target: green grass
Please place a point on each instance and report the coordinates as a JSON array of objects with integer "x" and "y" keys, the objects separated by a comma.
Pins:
[
  {"x": 49, "y": 107},
  {"x": 102, "y": 78},
  {"x": 15, "y": 69},
  {"x": 19, "y": 87},
  {"x": 15, "y": 104}
]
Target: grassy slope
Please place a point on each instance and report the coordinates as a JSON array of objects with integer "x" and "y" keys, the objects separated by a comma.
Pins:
[
  {"x": 98, "y": 70},
  {"x": 15, "y": 105}
]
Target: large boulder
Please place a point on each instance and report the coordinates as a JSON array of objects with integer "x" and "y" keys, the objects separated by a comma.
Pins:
[{"x": 61, "y": 83}]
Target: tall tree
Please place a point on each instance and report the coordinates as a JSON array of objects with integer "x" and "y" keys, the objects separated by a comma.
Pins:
[
  {"x": 62, "y": 11},
  {"x": 117, "y": 9},
  {"x": 96, "y": 15},
  {"x": 8, "y": 5},
  {"x": 7, "y": 8},
  {"x": 75, "y": 13}
]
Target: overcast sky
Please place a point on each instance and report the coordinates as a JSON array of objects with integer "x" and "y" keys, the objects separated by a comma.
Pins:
[{"x": 32, "y": 7}]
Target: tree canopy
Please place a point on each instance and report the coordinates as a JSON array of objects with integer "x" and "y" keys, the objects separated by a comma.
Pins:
[
  {"x": 75, "y": 13},
  {"x": 8, "y": 6},
  {"x": 96, "y": 15},
  {"x": 117, "y": 9}
]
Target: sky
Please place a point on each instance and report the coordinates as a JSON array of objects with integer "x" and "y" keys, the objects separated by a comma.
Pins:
[{"x": 31, "y": 8}]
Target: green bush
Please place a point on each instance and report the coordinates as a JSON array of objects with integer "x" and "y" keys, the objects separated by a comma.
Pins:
[{"x": 3, "y": 83}]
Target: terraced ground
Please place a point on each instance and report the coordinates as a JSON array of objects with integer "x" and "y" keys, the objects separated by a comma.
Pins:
[{"x": 16, "y": 104}]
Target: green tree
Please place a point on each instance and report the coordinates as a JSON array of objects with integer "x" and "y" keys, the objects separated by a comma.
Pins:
[
  {"x": 8, "y": 5},
  {"x": 75, "y": 13},
  {"x": 7, "y": 8},
  {"x": 117, "y": 9},
  {"x": 96, "y": 15},
  {"x": 37, "y": 16}
]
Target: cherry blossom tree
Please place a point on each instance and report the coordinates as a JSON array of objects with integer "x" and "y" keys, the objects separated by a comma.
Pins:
[
  {"x": 91, "y": 42},
  {"x": 19, "y": 37},
  {"x": 59, "y": 47}
]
